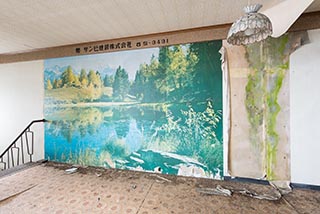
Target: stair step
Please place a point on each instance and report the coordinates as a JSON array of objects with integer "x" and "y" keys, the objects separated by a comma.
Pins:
[{"x": 20, "y": 168}]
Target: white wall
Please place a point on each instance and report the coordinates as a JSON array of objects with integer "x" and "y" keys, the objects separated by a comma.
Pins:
[
  {"x": 305, "y": 112},
  {"x": 22, "y": 95},
  {"x": 21, "y": 101}
]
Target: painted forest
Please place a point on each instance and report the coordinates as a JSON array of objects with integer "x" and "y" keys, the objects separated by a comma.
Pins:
[
  {"x": 167, "y": 113},
  {"x": 181, "y": 73}
]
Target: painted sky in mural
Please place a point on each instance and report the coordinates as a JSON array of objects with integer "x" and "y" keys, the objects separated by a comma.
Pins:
[{"x": 156, "y": 109}]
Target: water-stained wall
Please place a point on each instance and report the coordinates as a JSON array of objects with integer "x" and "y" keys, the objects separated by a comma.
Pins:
[{"x": 259, "y": 145}]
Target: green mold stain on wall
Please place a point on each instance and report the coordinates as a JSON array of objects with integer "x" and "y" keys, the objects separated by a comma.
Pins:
[{"x": 268, "y": 62}]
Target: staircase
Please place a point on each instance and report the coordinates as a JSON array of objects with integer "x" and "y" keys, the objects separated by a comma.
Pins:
[{"x": 21, "y": 150}]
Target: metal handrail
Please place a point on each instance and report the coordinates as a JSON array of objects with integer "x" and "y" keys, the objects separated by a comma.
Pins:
[{"x": 13, "y": 146}]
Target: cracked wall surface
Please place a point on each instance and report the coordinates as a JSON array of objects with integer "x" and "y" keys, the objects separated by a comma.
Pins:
[{"x": 259, "y": 85}]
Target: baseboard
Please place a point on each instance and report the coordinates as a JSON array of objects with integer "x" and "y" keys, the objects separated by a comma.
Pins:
[
  {"x": 305, "y": 186},
  {"x": 246, "y": 180},
  {"x": 266, "y": 182}
]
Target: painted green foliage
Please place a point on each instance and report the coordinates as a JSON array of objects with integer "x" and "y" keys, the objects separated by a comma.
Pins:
[
  {"x": 152, "y": 109},
  {"x": 268, "y": 62}
]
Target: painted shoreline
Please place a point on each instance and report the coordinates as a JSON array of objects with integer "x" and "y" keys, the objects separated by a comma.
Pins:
[
  {"x": 108, "y": 104},
  {"x": 98, "y": 104}
]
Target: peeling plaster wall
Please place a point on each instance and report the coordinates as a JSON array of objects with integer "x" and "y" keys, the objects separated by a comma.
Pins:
[
  {"x": 259, "y": 141},
  {"x": 240, "y": 155}
]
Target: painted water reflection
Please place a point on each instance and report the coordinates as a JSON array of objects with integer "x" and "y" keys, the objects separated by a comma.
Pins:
[{"x": 139, "y": 137}]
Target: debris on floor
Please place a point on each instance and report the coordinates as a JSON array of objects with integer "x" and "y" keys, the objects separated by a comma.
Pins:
[
  {"x": 282, "y": 186},
  {"x": 219, "y": 190},
  {"x": 262, "y": 196},
  {"x": 121, "y": 191},
  {"x": 159, "y": 177},
  {"x": 98, "y": 174},
  {"x": 71, "y": 170}
]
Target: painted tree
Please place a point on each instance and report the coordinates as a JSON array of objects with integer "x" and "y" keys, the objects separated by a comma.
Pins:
[
  {"x": 175, "y": 72},
  {"x": 68, "y": 78},
  {"x": 165, "y": 57},
  {"x": 108, "y": 80},
  {"x": 138, "y": 84},
  {"x": 94, "y": 79},
  {"x": 121, "y": 84},
  {"x": 152, "y": 75},
  {"x": 144, "y": 86},
  {"x": 177, "y": 76},
  {"x": 99, "y": 79},
  {"x": 57, "y": 83},
  {"x": 208, "y": 74},
  {"x": 83, "y": 78},
  {"x": 76, "y": 82},
  {"x": 49, "y": 85}
]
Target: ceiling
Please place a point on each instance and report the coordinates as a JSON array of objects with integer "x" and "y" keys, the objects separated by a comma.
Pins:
[{"x": 26, "y": 25}]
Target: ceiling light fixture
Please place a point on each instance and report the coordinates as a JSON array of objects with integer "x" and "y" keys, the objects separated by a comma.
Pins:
[{"x": 250, "y": 28}]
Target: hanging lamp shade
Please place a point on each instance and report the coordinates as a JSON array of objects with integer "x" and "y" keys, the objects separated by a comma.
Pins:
[{"x": 250, "y": 28}]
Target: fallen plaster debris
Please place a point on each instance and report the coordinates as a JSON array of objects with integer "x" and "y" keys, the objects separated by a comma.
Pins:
[
  {"x": 282, "y": 186},
  {"x": 98, "y": 174},
  {"x": 219, "y": 190},
  {"x": 71, "y": 170},
  {"x": 162, "y": 178},
  {"x": 246, "y": 192},
  {"x": 79, "y": 166}
]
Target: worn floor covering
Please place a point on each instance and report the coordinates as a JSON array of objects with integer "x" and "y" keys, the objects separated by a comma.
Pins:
[{"x": 47, "y": 188}]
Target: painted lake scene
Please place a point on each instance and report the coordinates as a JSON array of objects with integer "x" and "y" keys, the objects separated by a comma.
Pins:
[{"x": 154, "y": 110}]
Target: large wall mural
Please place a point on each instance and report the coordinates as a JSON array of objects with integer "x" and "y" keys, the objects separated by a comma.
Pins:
[{"x": 156, "y": 109}]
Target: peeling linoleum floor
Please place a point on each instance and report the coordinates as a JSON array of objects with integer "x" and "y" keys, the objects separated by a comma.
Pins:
[{"x": 47, "y": 188}]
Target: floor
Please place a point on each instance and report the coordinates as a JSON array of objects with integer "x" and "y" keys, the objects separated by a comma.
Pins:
[{"x": 48, "y": 188}]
